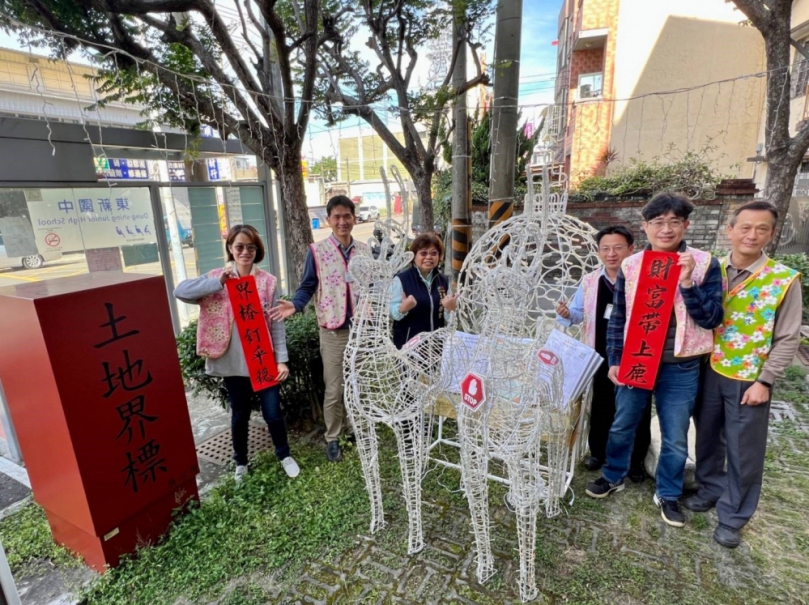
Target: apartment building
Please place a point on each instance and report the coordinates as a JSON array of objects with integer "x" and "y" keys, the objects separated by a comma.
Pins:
[{"x": 644, "y": 79}]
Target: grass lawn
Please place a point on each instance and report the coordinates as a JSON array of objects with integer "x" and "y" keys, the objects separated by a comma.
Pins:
[{"x": 272, "y": 540}]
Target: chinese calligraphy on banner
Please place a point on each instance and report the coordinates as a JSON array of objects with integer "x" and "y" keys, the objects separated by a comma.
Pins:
[
  {"x": 649, "y": 319},
  {"x": 253, "y": 332}
]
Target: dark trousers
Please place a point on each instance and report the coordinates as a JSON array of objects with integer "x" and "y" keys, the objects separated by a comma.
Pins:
[
  {"x": 602, "y": 413},
  {"x": 240, "y": 393},
  {"x": 727, "y": 430}
]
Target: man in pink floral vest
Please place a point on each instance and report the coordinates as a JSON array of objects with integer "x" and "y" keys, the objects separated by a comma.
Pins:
[
  {"x": 325, "y": 277},
  {"x": 592, "y": 307},
  {"x": 689, "y": 339}
]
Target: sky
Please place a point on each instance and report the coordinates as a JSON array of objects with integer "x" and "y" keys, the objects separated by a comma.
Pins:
[{"x": 537, "y": 71}]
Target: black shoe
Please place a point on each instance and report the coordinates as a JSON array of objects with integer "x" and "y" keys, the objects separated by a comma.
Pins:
[
  {"x": 637, "y": 475},
  {"x": 333, "y": 452},
  {"x": 601, "y": 488},
  {"x": 697, "y": 504},
  {"x": 592, "y": 463},
  {"x": 729, "y": 537},
  {"x": 670, "y": 511}
]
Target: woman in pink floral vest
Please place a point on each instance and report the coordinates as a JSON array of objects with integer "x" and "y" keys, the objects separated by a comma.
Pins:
[{"x": 221, "y": 346}]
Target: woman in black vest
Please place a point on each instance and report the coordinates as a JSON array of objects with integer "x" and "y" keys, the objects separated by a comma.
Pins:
[{"x": 420, "y": 295}]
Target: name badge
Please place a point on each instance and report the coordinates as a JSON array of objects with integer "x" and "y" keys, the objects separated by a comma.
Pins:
[{"x": 608, "y": 312}]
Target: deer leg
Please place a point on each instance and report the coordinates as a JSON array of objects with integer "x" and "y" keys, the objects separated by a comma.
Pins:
[
  {"x": 524, "y": 496},
  {"x": 410, "y": 439},
  {"x": 368, "y": 450},
  {"x": 475, "y": 469}
]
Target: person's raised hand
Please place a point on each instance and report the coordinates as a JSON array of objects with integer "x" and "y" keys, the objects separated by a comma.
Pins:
[
  {"x": 227, "y": 275},
  {"x": 407, "y": 304},
  {"x": 450, "y": 302},
  {"x": 284, "y": 309},
  {"x": 687, "y": 264},
  {"x": 562, "y": 310}
]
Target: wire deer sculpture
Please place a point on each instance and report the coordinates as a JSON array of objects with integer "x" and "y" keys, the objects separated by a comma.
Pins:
[{"x": 387, "y": 385}]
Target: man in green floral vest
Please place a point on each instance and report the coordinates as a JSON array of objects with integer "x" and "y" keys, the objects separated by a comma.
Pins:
[{"x": 756, "y": 343}]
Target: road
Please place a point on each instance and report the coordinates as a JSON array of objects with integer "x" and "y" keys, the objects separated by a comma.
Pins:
[{"x": 76, "y": 264}]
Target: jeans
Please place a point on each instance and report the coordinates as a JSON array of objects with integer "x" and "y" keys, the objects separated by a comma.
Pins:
[
  {"x": 675, "y": 393},
  {"x": 240, "y": 393},
  {"x": 602, "y": 413}
]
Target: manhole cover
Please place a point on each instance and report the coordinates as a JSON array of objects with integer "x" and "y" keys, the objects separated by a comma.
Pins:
[
  {"x": 803, "y": 355},
  {"x": 219, "y": 448}
]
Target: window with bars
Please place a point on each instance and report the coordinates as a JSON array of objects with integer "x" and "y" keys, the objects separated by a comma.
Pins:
[{"x": 800, "y": 73}]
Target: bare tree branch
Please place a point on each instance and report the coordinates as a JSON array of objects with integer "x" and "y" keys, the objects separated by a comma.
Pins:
[{"x": 756, "y": 11}]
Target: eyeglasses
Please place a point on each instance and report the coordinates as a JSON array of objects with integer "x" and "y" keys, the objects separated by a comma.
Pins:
[
  {"x": 608, "y": 249},
  {"x": 251, "y": 248},
  {"x": 674, "y": 223}
]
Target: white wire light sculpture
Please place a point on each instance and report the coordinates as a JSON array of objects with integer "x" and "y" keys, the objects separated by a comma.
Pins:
[
  {"x": 388, "y": 385},
  {"x": 515, "y": 274}
]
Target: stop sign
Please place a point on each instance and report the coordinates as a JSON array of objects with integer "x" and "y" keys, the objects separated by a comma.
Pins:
[
  {"x": 473, "y": 393},
  {"x": 548, "y": 357}
]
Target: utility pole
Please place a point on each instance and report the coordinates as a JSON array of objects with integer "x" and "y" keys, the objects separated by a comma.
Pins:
[
  {"x": 461, "y": 227},
  {"x": 504, "y": 110}
]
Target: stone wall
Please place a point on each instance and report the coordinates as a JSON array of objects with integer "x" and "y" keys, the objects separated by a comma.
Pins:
[{"x": 706, "y": 232}]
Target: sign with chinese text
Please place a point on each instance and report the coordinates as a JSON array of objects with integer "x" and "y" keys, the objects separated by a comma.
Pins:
[
  {"x": 253, "y": 332},
  {"x": 68, "y": 220},
  {"x": 108, "y": 447},
  {"x": 649, "y": 319},
  {"x": 114, "y": 168}
]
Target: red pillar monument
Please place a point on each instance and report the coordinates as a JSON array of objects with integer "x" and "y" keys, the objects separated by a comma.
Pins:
[{"x": 90, "y": 372}]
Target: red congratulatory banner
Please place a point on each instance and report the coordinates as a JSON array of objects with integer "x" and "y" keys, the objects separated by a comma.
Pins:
[
  {"x": 253, "y": 332},
  {"x": 649, "y": 319}
]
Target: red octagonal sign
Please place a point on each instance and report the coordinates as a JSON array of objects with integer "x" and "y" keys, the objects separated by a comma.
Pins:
[{"x": 473, "y": 393}]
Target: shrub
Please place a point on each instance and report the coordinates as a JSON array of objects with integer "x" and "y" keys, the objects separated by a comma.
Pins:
[
  {"x": 301, "y": 393},
  {"x": 799, "y": 262},
  {"x": 692, "y": 174}
]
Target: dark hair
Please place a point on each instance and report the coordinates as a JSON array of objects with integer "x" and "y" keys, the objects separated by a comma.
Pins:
[
  {"x": 339, "y": 200},
  {"x": 663, "y": 203},
  {"x": 757, "y": 205},
  {"x": 427, "y": 240},
  {"x": 250, "y": 232},
  {"x": 616, "y": 230}
]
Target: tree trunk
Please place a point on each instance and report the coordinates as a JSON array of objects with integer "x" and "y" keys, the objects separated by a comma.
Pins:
[
  {"x": 425, "y": 196},
  {"x": 296, "y": 215},
  {"x": 781, "y": 170}
]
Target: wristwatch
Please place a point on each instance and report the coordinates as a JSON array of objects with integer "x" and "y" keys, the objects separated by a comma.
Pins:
[{"x": 765, "y": 383}]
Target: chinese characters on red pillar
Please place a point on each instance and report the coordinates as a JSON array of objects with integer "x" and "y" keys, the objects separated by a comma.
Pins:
[
  {"x": 649, "y": 319},
  {"x": 253, "y": 332},
  {"x": 124, "y": 377}
]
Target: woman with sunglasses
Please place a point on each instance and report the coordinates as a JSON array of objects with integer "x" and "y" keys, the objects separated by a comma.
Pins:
[{"x": 219, "y": 343}]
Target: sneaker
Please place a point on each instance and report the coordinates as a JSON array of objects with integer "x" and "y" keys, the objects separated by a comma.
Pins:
[
  {"x": 592, "y": 463},
  {"x": 333, "y": 452},
  {"x": 670, "y": 511},
  {"x": 729, "y": 537},
  {"x": 697, "y": 504},
  {"x": 291, "y": 467},
  {"x": 601, "y": 488},
  {"x": 241, "y": 471}
]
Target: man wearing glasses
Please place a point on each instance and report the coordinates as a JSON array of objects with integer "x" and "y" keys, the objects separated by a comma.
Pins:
[
  {"x": 592, "y": 305},
  {"x": 326, "y": 278},
  {"x": 689, "y": 338}
]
